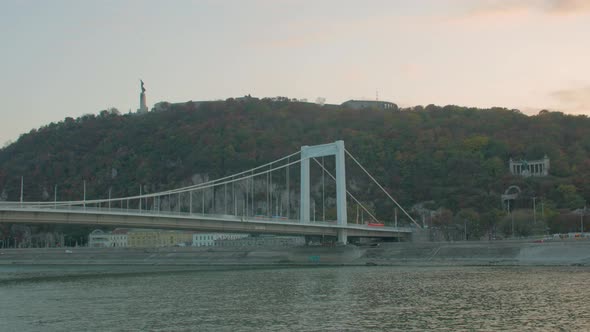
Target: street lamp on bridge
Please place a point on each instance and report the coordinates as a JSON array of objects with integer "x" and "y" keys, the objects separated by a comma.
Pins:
[{"x": 583, "y": 212}]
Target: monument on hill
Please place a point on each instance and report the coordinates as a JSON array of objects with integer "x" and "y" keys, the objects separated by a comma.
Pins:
[
  {"x": 142, "y": 104},
  {"x": 527, "y": 168}
]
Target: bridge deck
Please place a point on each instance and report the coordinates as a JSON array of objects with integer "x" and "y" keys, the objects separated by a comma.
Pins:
[{"x": 190, "y": 222}]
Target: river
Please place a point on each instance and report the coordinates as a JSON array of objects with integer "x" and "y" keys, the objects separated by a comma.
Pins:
[{"x": 126, "y": 298}]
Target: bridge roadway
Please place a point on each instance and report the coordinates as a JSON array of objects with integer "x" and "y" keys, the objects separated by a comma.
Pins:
[{"x": 190, "y": 222}]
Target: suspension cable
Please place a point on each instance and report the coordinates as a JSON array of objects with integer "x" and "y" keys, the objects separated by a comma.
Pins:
[
  {"x": 208, "y": 185},
  {"x": 323, "y": 192},
  {"x": 198, "y": 186},
  {"x": 381, "y": 187},
  {"x": 288, "y": 192},
  {"x": 348, "y": 192}
]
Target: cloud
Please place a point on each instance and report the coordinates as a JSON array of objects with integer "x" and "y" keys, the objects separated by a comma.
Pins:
[
  {"x": 569, "y": 6},
  {"x": 521, "y": 8},
  {"x": 499, "y": 9},
  {"x": 575, "y": 99}
]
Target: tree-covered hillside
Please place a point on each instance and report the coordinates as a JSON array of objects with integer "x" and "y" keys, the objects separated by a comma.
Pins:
[{"x": 454, "y": 158}]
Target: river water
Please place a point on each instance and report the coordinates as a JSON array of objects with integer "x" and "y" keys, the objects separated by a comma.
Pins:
[{"x": 107, "y": 298}]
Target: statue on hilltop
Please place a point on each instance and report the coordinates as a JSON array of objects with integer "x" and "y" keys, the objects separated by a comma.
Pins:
[{"x": 142, "y": 103}]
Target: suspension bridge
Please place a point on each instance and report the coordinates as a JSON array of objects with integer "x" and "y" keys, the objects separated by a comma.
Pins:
[{"x": 245, "y": 202}]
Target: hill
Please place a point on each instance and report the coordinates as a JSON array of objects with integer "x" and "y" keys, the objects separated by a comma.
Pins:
[{"x": 451, "y": 159}]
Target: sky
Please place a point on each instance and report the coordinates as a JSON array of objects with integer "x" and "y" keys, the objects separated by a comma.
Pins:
[{"x": 70, "y": 58}]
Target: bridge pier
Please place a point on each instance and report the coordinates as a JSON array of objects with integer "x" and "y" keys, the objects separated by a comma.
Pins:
[{"x": 342, "y": 236}]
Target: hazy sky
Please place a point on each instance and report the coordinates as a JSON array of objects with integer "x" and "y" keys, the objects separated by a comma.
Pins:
[{"x": 68, "y": 58}]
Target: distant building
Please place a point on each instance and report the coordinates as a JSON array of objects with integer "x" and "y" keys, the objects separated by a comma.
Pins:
[
  {"x": 119, "y": 237},
  {"x": 116, "y": 238},
  {"x": 97, "y": 239},
  {"x": 263, "y": 241},
  {"x": 244, "y": 240},
  {"x": 246, "y": 98},
  {"x": 138, "y": 238},
  {"x": 211, "y": 239},
  {"x": 161, "y": 106},
  {"x": 528, "y": 168},
  {"x": 366, "y": 104},
  {"x": 151, "y": 238},
  {"x": 166, "y": 106}
]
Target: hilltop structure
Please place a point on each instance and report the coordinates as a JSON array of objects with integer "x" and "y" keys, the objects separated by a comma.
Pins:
[
  {"x": 365, "y": 104},
  {"x": 142, "y": 102},
  {"x": 530, "y": 168},
  {"x": 166, "y": 106}
]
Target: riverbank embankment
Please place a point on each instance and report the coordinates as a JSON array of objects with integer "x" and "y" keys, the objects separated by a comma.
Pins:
[
  {"x": 427, "y": 253},
  {"x": 482, "y": 253}
]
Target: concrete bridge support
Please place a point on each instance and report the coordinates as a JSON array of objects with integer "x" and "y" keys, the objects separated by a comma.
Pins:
[
  {"x": 335, "y": 149},
  {"x": 343, "y": 236}
]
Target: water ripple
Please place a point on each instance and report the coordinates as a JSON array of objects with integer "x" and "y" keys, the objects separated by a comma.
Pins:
[{"x": 318, "y": 299}]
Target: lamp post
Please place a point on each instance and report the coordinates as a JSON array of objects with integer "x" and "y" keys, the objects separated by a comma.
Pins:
[
  {"x": 582, "y": 213},
  {"x": 512, "y": 218},
  {"x": 542, "y": 210},
  {"x": 534, "y": 211},
  {"x": 465, "y": 228},
  {"x": 84, "y": 194}
]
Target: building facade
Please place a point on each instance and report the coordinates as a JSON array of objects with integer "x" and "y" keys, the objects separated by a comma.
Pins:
[
  {"x": 138, "y": 238},
  {"x": 365, "y": 104},
  {"x": 119, "y": 237},
  {"x": 148, "y": 238},
  {"x": 262, "y": 241},
  {"x": 101, "y": 239},
  {"x": 151, "y": 238},
  {"x": 212, "y": 239}
]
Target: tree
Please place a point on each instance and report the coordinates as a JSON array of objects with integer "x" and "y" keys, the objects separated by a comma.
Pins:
[
  {"x": 490, "y": 220},
  {"x": 473, "y": 228},
  {"x": 569, "y": 197},
  {"x": 442, "y": 221}
]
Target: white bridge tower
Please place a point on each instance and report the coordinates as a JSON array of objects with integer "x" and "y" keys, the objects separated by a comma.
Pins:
[{"x": 333, "y": 149}]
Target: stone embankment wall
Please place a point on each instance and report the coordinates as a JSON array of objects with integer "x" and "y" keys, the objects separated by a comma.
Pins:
[
  {"x": 483, "y": 253},
  {"x": 465, "y": 253}
]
